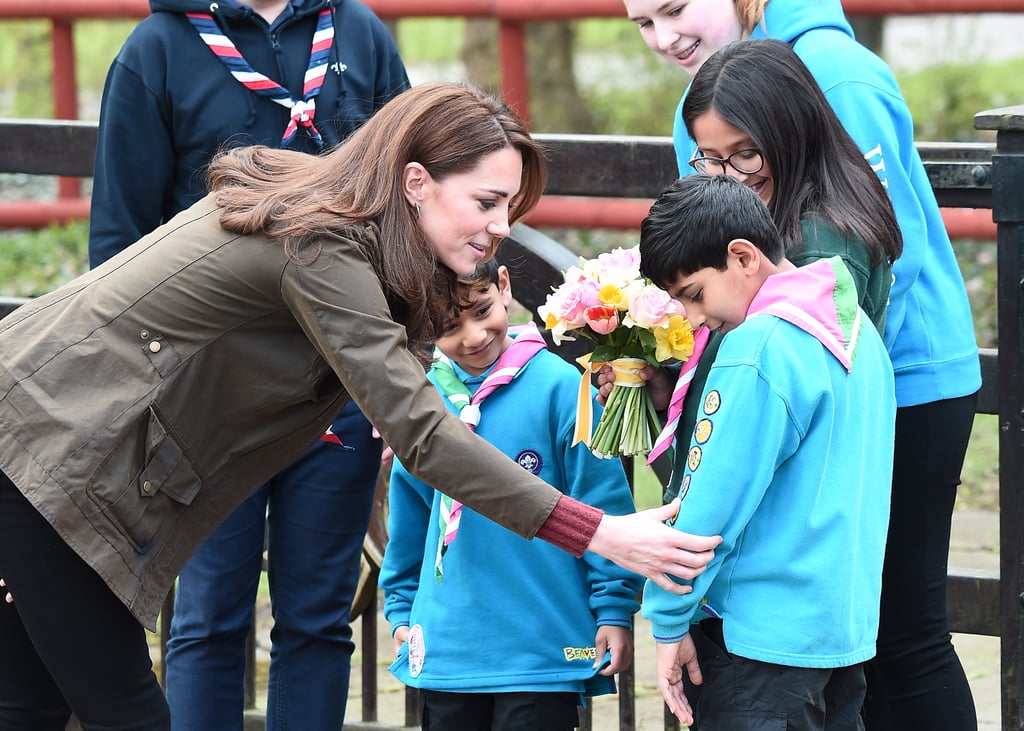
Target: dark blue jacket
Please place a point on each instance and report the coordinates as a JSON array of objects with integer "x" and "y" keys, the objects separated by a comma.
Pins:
[{"x": 169, "y": 104}]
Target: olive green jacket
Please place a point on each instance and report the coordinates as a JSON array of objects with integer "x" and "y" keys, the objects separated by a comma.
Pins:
[{"x": 143, "y": 401}]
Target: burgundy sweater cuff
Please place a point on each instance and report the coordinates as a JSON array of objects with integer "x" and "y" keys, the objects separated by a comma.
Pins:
[{"x": 571, "y": 525}]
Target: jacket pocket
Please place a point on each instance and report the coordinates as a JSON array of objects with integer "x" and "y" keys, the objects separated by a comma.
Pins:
[{"x": 145, "y": 482}]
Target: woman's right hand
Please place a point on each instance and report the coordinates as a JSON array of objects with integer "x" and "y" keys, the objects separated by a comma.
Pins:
[
  {"x": 659, "y": 384},
  {"x": 642, "y": 543}
]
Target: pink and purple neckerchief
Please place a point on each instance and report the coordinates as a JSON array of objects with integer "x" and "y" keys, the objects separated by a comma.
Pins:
[
  {"x": 816, "y": 298},
  {"x": 302, "y": 111},
  {"x": 527, "y": 343}
]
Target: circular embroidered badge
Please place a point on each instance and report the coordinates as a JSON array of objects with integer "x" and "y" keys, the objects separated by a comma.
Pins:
[
  {"x": 693, "y": 458},
  {"x": 530, "y": 461},
  {"x": 702, "y": 432},
  {"x": 417, "y": 649},
  {"x": 712, "y": 401},
  {"x": 683, "y": 489}
]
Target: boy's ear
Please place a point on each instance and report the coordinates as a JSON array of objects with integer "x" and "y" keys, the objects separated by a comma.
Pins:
[
  {"x": 414, "y": 181},
  {"x": 746, "y": 254},
  {"x": 504, "y": 286}
]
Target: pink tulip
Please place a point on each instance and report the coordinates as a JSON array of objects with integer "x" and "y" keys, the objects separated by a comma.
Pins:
[{"x": 602, "y": 319}]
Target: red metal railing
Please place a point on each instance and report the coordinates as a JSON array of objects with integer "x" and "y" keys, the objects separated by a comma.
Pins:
[{"x": 511, "y": 15}]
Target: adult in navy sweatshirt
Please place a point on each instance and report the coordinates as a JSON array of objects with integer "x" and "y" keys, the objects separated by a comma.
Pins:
[{"x": 175, "y": 95}]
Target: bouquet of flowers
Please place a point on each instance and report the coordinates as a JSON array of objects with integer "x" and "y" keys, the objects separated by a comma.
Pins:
[{"x": 633, "y": 323}]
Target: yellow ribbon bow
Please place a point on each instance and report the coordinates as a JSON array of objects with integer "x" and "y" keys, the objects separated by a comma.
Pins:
[{"x": 627, "y": 372}]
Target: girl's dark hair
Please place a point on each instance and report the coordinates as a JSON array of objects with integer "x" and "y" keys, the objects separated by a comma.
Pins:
[
  {"x": 763, "y": 88},
  {"x": 303, "y": 201}
]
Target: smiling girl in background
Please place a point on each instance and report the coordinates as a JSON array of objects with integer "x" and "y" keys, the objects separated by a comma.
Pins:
[{"x": 917, "y": 681}]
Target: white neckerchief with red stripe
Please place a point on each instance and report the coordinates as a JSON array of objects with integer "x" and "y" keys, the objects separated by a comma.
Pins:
[
  {"x": 303, "y": 110},
  {"x": 675, "y": 406},
  {"x": 527, "y": 343}
]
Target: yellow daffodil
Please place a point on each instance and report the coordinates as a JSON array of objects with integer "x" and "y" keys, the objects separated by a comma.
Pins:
[
  {"x": 674, "y": 341},
  {"x": 613, "y": 296}
]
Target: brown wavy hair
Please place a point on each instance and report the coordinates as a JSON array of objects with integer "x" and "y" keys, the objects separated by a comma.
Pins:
[
  {"x": 303, "y": 201},
  {"x": 750, "y": 12}
]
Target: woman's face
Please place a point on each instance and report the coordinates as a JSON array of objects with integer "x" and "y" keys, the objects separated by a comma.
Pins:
[
  {"x": 686, "y": 32},
  {"x": 717, "y": 138},
  {"x": 465, "y": 215}
]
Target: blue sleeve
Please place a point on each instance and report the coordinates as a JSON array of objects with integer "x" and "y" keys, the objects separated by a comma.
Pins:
[
  {"x": 601, "y": 483},
  {"x": 409, "y": 514},
  {"x": 730, "y": 464},
  {"x": 866, "y": 97},
  {"x": 134, "y": 168},
  {"x": 681, "y": 142}
]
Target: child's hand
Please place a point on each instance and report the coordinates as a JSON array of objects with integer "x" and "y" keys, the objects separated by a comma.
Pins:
[
  {"x": 387, "y": 456},
  {"x": 659, "y": 384},
  {"x": 400, "y": 636},
  {"x": 672, "y": 657},
  {"x": 619, "y": 642},
  {"x": 8, "y": 597}
]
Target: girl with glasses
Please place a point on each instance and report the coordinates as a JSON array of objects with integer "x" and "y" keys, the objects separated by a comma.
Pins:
[
  {"x": 745, "y": 106},
  {"x": 916, "y": 681}
]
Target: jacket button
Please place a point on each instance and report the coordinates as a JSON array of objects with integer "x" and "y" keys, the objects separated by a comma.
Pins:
[
  {"x": 154, "y": 347},
  {"x": 147, "y": 487},
  {"x": 144, "y": 334}
]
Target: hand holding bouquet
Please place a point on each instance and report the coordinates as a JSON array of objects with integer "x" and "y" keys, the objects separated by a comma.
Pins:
[{"x": 633, "y": 323}]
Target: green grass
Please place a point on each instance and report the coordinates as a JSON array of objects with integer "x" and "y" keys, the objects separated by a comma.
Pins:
[
  {"x": 944, "y": 99},
  {"x": 35, "y": 262},
  {"x": 647, "y": 488},
  {"x": 430, "y": 40},
  {"x": 979, "y": 488}
]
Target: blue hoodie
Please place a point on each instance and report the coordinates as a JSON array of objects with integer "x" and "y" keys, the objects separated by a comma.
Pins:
[
  {"x": 510, "y": 615},
  {"x": 929, "y": 332},
  {"x": 797, "y": 486},
  {"x": 169, "y": 104}
]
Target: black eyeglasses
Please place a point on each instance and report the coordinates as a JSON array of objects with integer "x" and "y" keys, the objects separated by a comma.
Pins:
[{"x": 747, "y": 161}]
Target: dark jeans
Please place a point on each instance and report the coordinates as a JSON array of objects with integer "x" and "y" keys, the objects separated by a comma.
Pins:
[
  {"x": 441, "y": 711},
  {"x": 67, "y": 643},
  {"x": 740, "y": 694},
  {"x": 916, "y": 680}
]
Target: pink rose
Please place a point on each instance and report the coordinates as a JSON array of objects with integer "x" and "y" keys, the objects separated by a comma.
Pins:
[
  {"x": 568, "y": 302},
  {"x": 624, "y": 261},
  {"x": 652, "y": 307}
]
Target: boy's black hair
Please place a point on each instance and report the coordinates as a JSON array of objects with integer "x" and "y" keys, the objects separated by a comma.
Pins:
[
  {"x": 485, "y": 274},
  {"x": 692, "y": 222}
]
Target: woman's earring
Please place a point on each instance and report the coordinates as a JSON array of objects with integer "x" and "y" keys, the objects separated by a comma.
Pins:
[{"x": 416, "y": 211}]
